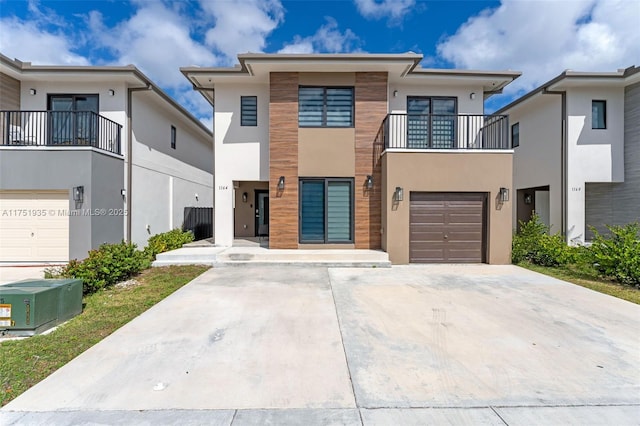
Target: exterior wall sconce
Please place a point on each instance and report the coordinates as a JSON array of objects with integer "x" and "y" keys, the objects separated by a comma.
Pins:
[
  {"x": 281, "y": 183},
  {"x": 528, "y": 199},
  {"x": 369, "y": 182},
  {"x": 78, "y": 194},
  {"x": 244, "y": 197},
  {"x": 123, "y": 192},
  {"x": 111, "y": 92},
  {"x": 395, "y": 93},
  {"x": 32, "y": 92},
  {"x": 399, "y": 194},
  {"x": 504, "y": 195},
  {"x": 472, "y": 96}
]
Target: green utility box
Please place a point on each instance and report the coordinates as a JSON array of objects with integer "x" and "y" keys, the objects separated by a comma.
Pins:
[{"x": 33, "y": 306}]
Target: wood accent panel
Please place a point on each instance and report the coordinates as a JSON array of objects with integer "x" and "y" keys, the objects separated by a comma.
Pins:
[
  {"x": 283, "y": 160},
  {"x": 9, "y": 93},
  {"x": 370, "y": 111}
]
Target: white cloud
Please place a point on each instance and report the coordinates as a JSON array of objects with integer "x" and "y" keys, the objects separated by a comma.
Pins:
[
  {"x": 327, "y": 39},
  {"x": 542, "y": 39},
  {"x": 241, "y": 25},
  {"x": 28, "y": 41},
  {"x": 156, "y": 39},
  {"x": 394, "y": 10}
]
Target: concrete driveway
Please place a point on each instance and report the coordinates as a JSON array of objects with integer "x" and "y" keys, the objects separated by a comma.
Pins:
[{"x": 473, "y": 344}]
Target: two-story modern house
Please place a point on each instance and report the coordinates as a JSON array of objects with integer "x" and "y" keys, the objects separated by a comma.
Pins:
[
  {"x": 91, "y": 155},
  {"x": 576, "y": 146},
  {"x": 361, "y": 151}
]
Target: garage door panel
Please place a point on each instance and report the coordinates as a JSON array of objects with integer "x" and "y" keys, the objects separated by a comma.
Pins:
[
  {"x": 35, "y": 232},
  {"x": 446, "y": 227},
  {"x": 467, "y": 237}
]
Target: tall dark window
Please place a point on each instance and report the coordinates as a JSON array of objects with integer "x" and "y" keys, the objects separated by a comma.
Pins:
[
  {"x": 173, "y": 137},
  {"x": 326, "y": 210},
  {"x": 431, "y": 122},
  {"x": 73, "y": 119},
  {"x": 515, "y": 135},
  {"x": 598, "y": 114},
  {"x": 325, "y": 106},
  {"x": 248, "y": 110}
]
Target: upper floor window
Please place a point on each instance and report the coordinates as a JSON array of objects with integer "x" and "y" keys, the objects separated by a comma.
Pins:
[
  {"x": 598, "y": 114},
  {"x": 173, "y": 137},
  {"x": 515, "y": 135},
  {"x": 431, "y": 122},
  {"x": 74, "y": 119},
  {"x": 248, "y": 110},
  {"x": 325, "y": 106}
]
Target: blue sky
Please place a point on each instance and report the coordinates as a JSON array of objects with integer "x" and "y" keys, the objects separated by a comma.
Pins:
[{"x": 541, "y": 38}]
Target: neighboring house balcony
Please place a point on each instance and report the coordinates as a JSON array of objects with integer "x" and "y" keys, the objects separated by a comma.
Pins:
[
  {"x": 59, "y": 128},
  {"x": 444, "y": 132}
]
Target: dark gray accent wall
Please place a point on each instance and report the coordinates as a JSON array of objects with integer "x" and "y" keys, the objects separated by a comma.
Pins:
[
  {"x": 619, "y": 203},
  {"x": 101, "y": 175}
]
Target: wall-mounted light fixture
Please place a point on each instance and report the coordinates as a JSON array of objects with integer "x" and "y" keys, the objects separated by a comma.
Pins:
[
  {"x": 472, "y": 96},
  {"x": 395, "y": 93},
  {"x": 369, "y": 182},
  {"x": 32, "y": 92},
  {"x": 504, "y": 195},
  {"x": 399, "y": 194},
  {"x": 111, "y": 92},
  {"x": 123, "y": 192},
  {"x": 281, "y": 183},
  {"x": 528, "y": 199},
  {"x": 244, "y": 197},
  {"x": 78, "y": 194}
]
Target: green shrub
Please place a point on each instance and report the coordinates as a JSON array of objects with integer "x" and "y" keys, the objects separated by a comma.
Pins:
[
  {"x": 534, "y": 244},
  {"x": 618, "y": 255},
  {"x": 108, "y": 265},
  {"x": 166, "y": 241}
]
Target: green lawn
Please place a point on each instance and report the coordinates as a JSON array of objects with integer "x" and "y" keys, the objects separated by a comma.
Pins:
[
  {"x": 586, "y": 277},
  {"x": 23, "y": 363}
]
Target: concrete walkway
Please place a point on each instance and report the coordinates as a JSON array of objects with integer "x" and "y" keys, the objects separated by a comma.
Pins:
[
  {"x": 256, "y": 253},
  {"x": 474, "y": 344}
]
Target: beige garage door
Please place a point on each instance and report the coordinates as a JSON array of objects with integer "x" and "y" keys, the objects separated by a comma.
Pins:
[
  {"x": 34, "y": 226},
  {"x": 446, "y": 227}
]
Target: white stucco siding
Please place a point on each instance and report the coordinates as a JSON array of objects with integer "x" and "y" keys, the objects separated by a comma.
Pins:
[
  {"x": 241, "y": 152},
  {"x": 166, "y": 180},
  {"x": 466, "y": 105},
  {"x": 594, "y": 155},
  {"x": 538, "y": 160}
]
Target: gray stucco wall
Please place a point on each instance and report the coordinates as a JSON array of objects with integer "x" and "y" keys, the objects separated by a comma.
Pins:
[
  {"x": 101, "y": 175},
  {"x": 619, "y": 203}
]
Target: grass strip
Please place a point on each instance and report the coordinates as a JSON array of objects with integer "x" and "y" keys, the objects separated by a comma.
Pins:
[
  {"x": 25, "y": 362},
  {"x": 588, "y": 279}
]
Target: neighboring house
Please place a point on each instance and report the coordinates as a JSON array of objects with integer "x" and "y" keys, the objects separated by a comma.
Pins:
[
  {"x": 577, "y": 152},
  {"x": 91, "y": 155},
  {"x": 365, "y": 151}
]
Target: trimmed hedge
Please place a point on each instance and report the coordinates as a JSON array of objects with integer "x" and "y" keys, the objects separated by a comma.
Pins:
[
  {"x": 113, "y": 263},
  {"x": 534, "y": 244},
  {"x": 167, "y": 241},
  {"x": 106, "y": 266},
  {"x": 618, "y": 255}
]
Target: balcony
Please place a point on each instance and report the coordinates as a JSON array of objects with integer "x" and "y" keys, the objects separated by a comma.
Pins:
[
  {"x": 444, "y": 132},
  {"x": 58, "y": 129}
]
